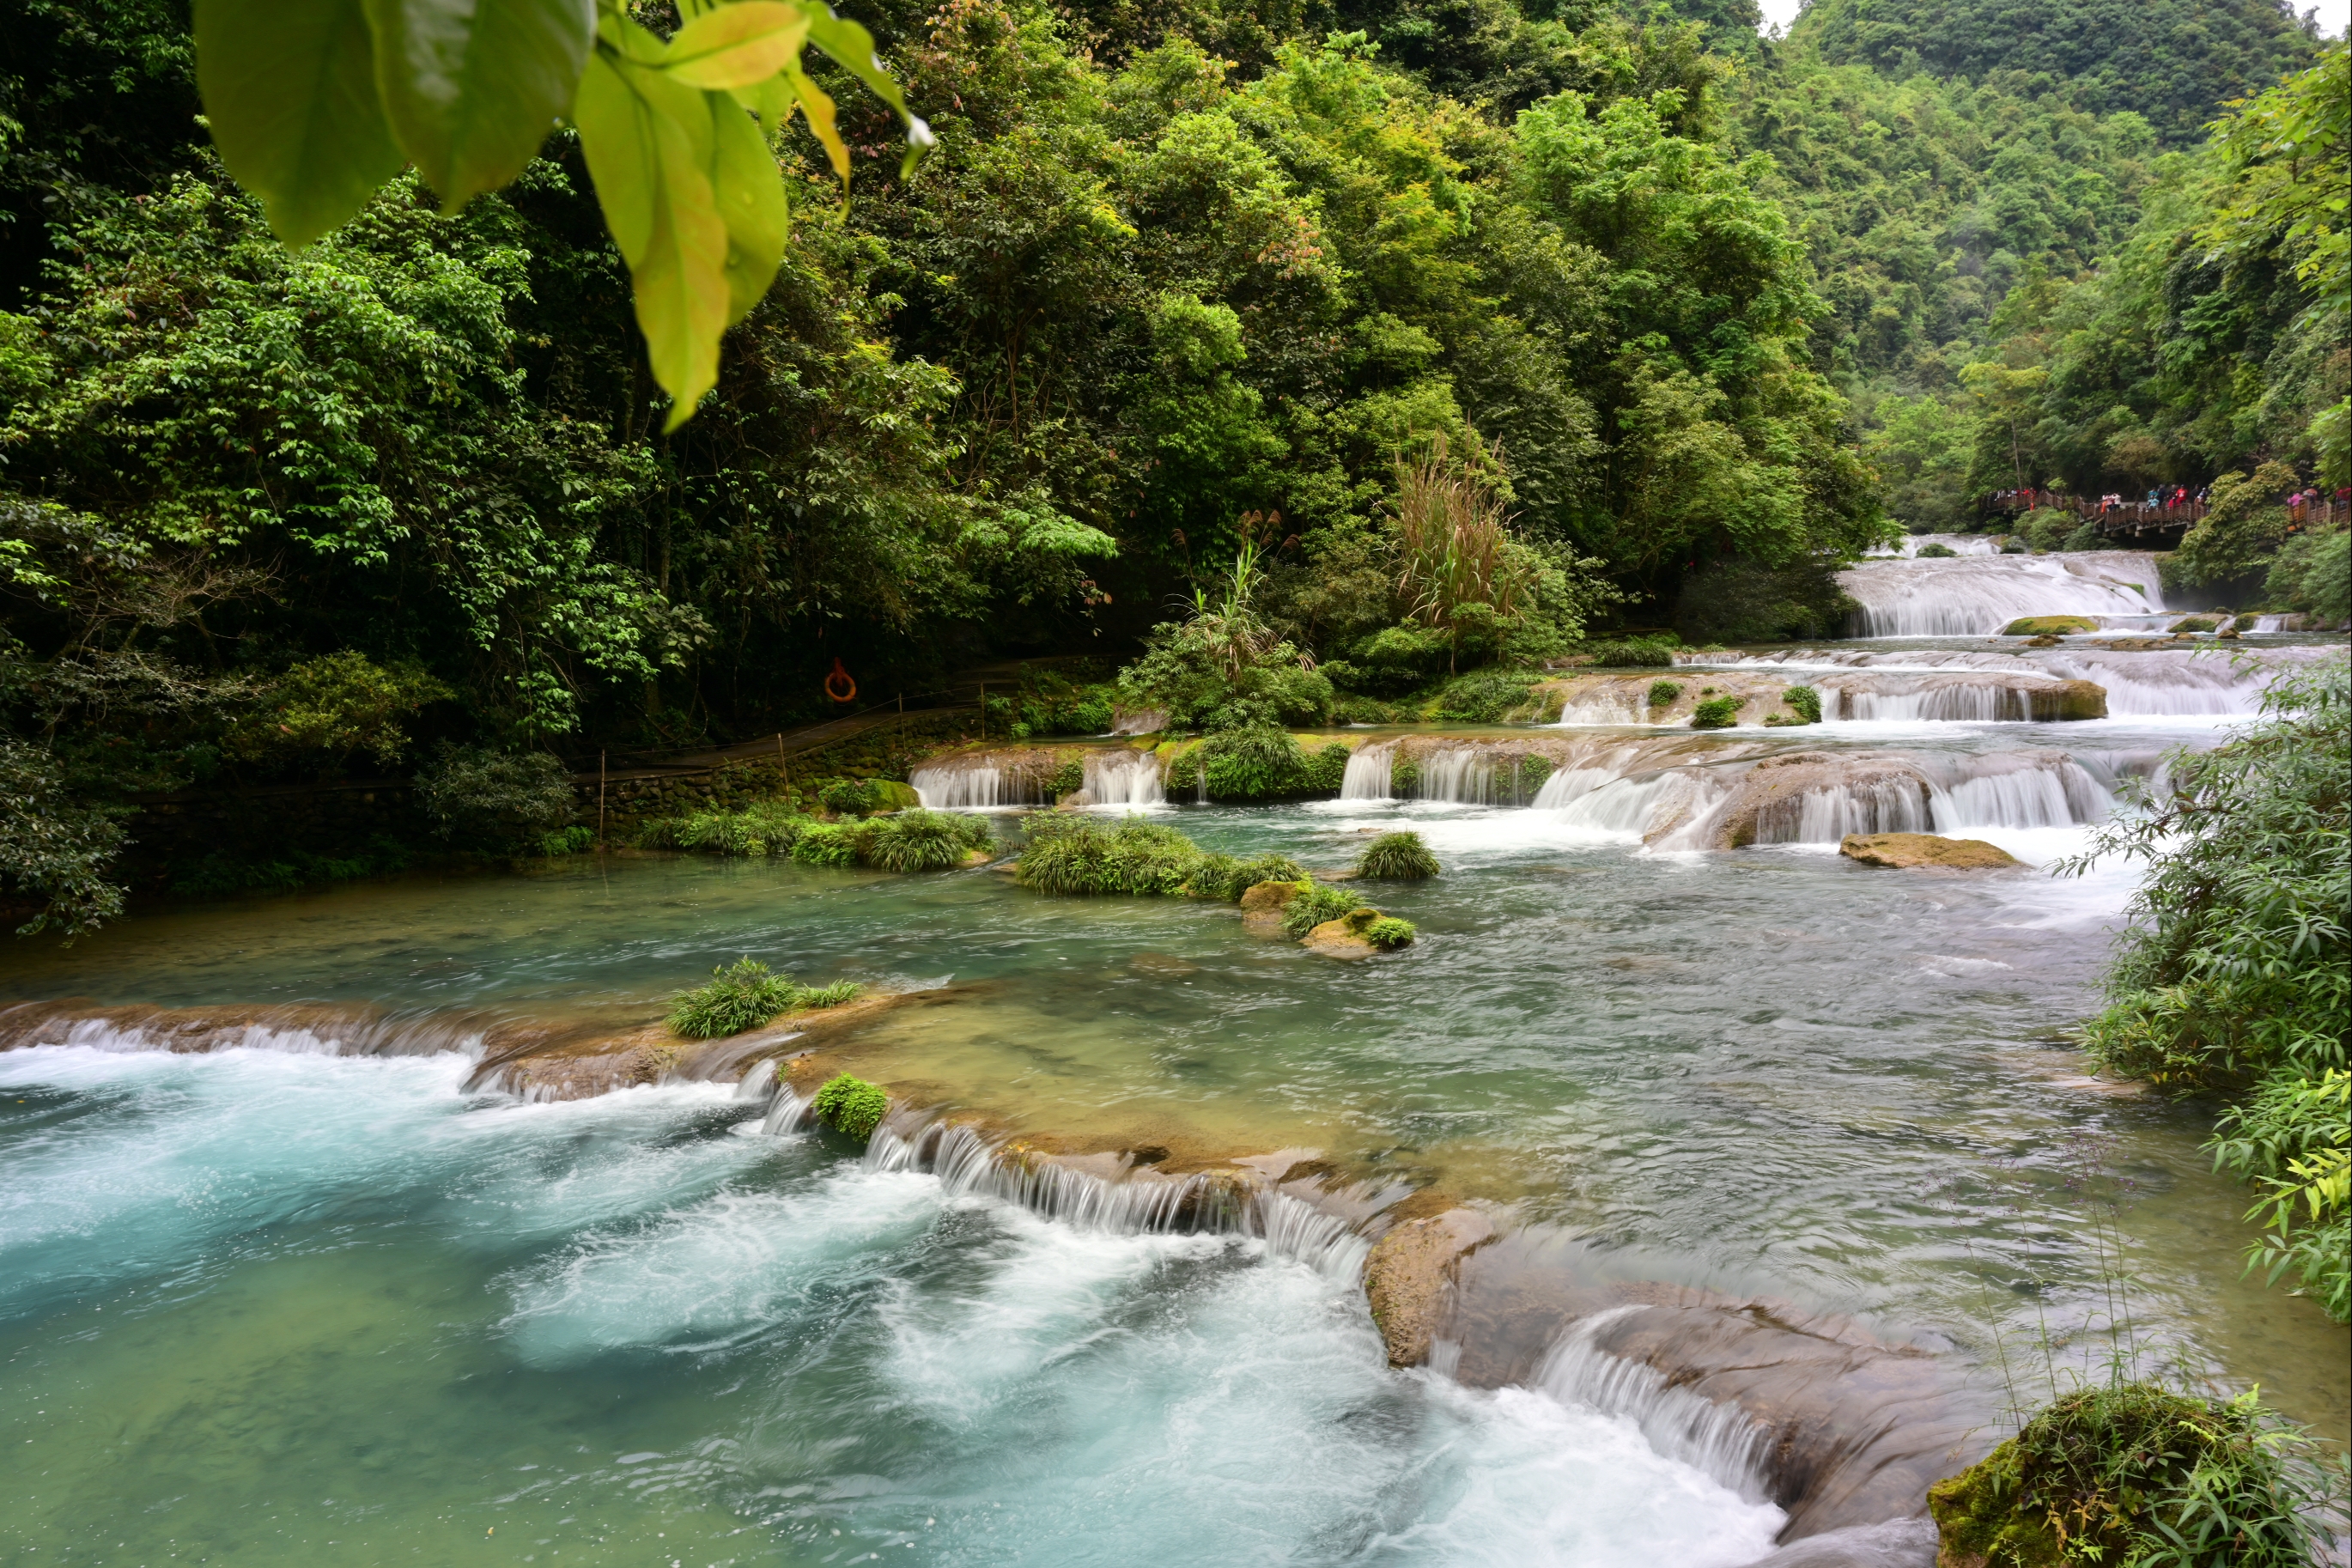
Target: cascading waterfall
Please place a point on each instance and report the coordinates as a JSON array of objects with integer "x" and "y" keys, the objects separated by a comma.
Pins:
[
  {"x": 1463, "y": 775},
  {"x": 1139, "y": 1201},
  {"x": 1369, "y": 769},
  {"x": 2140, "y": 683},
  {"x": 971, "y": 786},
  {"x": 1958, "y": 543},
  {"x": 1978, "y": 596},
  {"x": 1718, "y": 1440},
  {"x": 1954, "y": 699},
  {"x": 1126, "y": 779}
]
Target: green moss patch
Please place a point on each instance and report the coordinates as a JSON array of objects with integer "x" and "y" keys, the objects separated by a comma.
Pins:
[{"x": 2047, "y": 626}]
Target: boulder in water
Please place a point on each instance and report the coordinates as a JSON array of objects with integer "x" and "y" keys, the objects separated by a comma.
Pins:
[
  {"x": 2068, "y": 700},
  {"x": 1262, "y": 906},
  {"x": 1410, "y": 1273},
  {"x": 2047, "y": 626},
  {"x": 1912, "y": 851}
]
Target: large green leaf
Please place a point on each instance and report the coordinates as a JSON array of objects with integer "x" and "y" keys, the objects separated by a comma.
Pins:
[
  {"x": 750, "y": 190},
  {"x": 474, "y": 87},
  {"x": 650, "y": 144},
  {"x": 289, "y": 87}
]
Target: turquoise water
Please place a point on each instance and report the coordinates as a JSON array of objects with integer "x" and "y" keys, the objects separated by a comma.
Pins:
[{"x": 263, "y": 1306}]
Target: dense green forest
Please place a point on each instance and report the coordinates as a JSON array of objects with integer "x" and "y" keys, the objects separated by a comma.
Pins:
[{"x": 1669, "y": 320}]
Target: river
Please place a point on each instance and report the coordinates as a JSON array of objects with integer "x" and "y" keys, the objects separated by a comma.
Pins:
[{"x": 278, "y": 1303}]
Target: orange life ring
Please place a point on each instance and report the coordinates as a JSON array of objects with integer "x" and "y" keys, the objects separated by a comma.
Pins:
[{"x": 836, "y": 683}]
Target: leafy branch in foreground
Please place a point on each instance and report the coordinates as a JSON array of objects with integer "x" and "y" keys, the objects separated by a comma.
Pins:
[
  {"x": 315, "y": 104},
  {"x": 2233, "y": 977}
]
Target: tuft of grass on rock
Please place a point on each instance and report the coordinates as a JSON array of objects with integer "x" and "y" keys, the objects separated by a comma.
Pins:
[
  {"x": 1396, "y": 857},
  {"x": 744, "y": 996},
  {"x": 1663, "y": 692},
  {"x": 1716, "y": 713},
  {"x": 1316, "y": 902},
  {"x": 1389, "y": 934}
]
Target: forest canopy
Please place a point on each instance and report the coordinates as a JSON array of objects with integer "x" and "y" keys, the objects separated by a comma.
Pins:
[{"x": 1692, "y": 317}]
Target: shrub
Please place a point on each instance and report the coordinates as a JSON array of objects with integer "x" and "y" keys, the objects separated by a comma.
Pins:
[
  {"x": 1806, "y": 701},
  {"x": 55, "y": 850},
  {"x": 1716, "y": 713},
  {"x": 846, "y": 797},
  {"x": 1326, "y": 769},
  {"x": 1225, "y": 879},
  {"x": 1316, "y": 902},
  {"x": 1071, "y": 854},
  {"x": 567, "y": 840},
  {"x": 1533, "y": 770},
  {"x": 1482, "y": 697},
  {"x": 2233, "y": 978},
  {"x": 831, "y": 995},
  {"x": 1258, "y": 762},
  {"x": 1404, "y": 775},
  {"x": 494, "y": 800},
  {"x": 1663, "y": 693},
  {"x": 1396, "y": 857},
  {"x": 851, "y": 1105},
  {"x": 2131, "y": 1473},
  {"x": 1388, "y": 934},
  {"x": 1071, "y": 775},
  {"x": 335, "y": 706},
  {"x": 1634, "y": 653},
  {"x": 764, "y": 827},
  {"x": 736, "y": 998},
  {"x": 2313, "y": 574},
  {"x": 1935, "y": 552},
  {"x": 923, "y": 841},
  {"x": 833, "y": 843}
]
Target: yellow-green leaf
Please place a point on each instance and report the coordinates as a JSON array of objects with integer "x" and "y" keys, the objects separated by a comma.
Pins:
[
  {"x": 474, "y": 87},
  {"x": 735, "y": 45},
  {"x": 289, "y": 87},
  {"x": 852, "y": 47},
  {"x": 817, "y": 104},
  {"x": 750, "y": 190}
]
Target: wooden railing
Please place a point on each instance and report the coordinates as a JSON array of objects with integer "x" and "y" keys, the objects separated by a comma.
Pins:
[{"x": 2322, "y": 512}]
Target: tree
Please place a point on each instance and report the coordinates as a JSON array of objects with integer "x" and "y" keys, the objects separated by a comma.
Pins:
[{"x": 315, "y": 104}]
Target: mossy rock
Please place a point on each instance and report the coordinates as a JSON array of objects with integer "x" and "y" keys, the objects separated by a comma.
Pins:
[
  {"x": 1912, "y": 851},
  {"x": 2049, "y": 625},
  {"x": 2106, "y": 1474},
  {"x": 2195, "y": 624},
  {"x": 1263, "y": 907},
  {"x": 1337, "y": 938},
  {"x": 2068, "y": 701},
  {"x": 889, "y": 794}
]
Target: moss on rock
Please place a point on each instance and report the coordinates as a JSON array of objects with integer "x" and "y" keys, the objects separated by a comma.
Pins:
[
  {"x": 2047, "y": 626},
  {"x": 2068, "y": 700}
]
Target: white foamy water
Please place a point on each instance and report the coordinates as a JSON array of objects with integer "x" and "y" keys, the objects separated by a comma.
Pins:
[
  {"x": 759, "y": 1344},
  {"x": 2206, "y": 680},
  {"x": 1976, "y": 595},
  {"x": 1126, "y": 781}
]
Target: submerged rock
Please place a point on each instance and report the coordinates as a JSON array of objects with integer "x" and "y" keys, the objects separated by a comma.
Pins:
[
  {"x": 1411, "y": 1271},
  {"x": 1907, "y": 851}
]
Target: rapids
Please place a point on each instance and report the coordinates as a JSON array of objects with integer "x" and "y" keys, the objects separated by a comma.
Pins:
[{"x": 1977, "y": 594}]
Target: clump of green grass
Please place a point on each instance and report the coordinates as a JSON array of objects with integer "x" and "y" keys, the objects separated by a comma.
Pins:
[
  {"x": 851, "y": 1105},
  {"x": 1071, "y": 853},
  {"x": 1388, "y": 934},
  {"x": 741, "y": 997},
  {"x": 1716, "y": 713},
  {"x": 923, "y": 840},
  {"x": 2132, "y": 1473},
  {"x": 1635, "y": 652},
  {"x": 1663, "y": 692},
  {"x": 744, "y": 996},
  {"x": 1316, "y": 902},
  {"x": 833, "y": 843},
  {"x": 1806, "y": 701},
  {"x": 1396, "y": 857}
]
